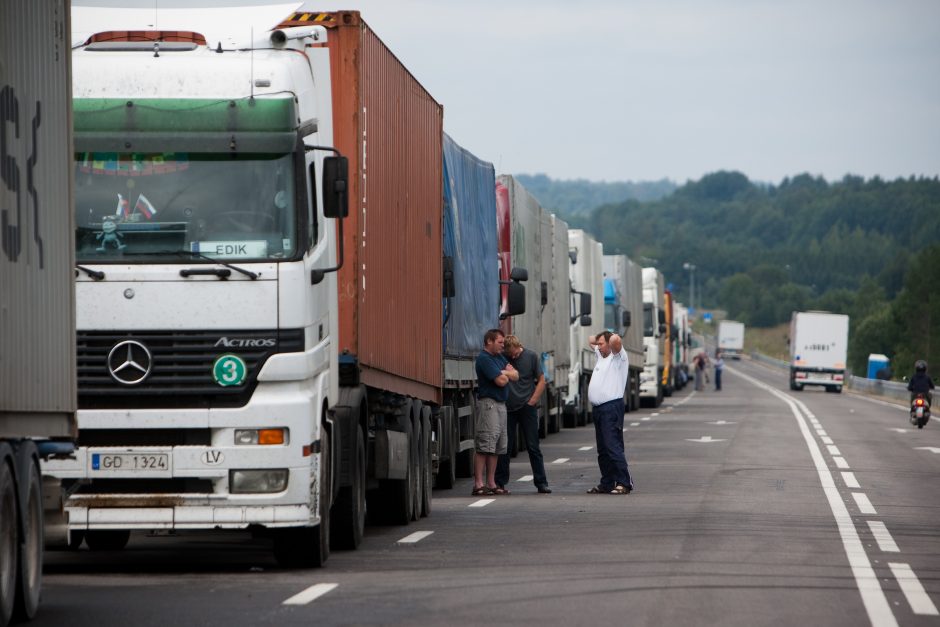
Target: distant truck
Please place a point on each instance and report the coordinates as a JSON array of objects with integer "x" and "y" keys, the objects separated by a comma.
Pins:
[
  {"x": 652, "y": 389},
  {"x": 587, "y": 285},
  {"x": 731, "y": 338},
  {"x": 818, "y": 346},
  {"x": 623, "y": 314},
  {"x": 37, "y": 300}
]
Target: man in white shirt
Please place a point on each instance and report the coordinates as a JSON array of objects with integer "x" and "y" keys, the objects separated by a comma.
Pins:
[{"x": 605, "y": 392}]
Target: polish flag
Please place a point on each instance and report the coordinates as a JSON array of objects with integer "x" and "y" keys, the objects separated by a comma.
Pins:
[
  {"x": 145, "y": 207},
  {"x": 122, "y": 207}
]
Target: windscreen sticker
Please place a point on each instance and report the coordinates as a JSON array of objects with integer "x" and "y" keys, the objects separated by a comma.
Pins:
[{"x": 247, "y": 249}]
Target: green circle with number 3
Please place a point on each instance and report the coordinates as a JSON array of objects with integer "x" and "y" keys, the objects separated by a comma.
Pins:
[{"x": 229, "y": 370}]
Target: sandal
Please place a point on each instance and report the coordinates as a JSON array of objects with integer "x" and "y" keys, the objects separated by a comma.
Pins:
[
  {"x": 499, "y": 491},
  {"x": 596, "y": 490},
  {"x": 621, "y": 489},
  {"x": 481, "y": 491}
]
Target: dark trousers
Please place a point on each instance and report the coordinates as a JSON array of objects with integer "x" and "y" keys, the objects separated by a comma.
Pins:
[
  {"x": 608, "y": 429},
  {"x": 528, "y": 419},
  {"x": 717, "y": 378}
]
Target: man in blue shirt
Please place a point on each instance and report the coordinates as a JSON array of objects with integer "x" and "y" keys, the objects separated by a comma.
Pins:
[{"x": 493, "y": 375}]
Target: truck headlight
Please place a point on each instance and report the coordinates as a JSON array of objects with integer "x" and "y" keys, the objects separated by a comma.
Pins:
[
  {"x": 257, "y": 481},
  {"x": 261, "y": 436}
]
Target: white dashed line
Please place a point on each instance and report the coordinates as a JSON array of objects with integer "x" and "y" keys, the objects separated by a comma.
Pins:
[
  {"x": 821, "y": 432},
  {"x": 655, "y": 413},
  {"x": 481, "y": 503},
  {"x": 840, "y": 462},
  {"x": 913, "y": 590},
  {"x": 646, "y": 418},
  {"x": 833, "y": 450},
  {"x": 634, "y": 424},
  {"x": 560, "y": 460},
  {"x": 850, "y": 480},
  {"x": 826, "y": 439},
  {"x": 525, "y": 478},
  {"x": 312, "y": 593},
  {"x": 585, "y": 448},
  {"x": 883, "y": 537},
  {"x": 417, "y": 536},
  {"x": 864, "y": 505}
]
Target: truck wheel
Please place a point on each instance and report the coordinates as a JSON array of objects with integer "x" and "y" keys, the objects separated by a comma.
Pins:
[
  {"x": 569, "y": 417},
  {"x": 8, "y": 536},
  {"x": 393, "y": 504},
  {"x": 29, "y": 583},
  {"x": 309, "y": 547},
  {"x": 348, "y": 515},
  {"x": 426, "y": 464},
  {"x": 447, "y": 469},
  {"x": 414, "y": 448},
  {"x": 107, "y": 539}
]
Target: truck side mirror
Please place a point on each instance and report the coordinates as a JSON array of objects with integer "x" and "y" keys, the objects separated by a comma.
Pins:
[
  {"x": 515, "y": 303},
  {"x": 585, "y": 304},
  {"x": 662, "y": 328},
  {"x": 518, "y": 274},
  {"x": 585, "y": 320},
  {"x": 335, "y": 186},
  {"x": 625, "y": 319},
  {"x": 662, "y": 318},
  {"x": 450, "y": 289}
]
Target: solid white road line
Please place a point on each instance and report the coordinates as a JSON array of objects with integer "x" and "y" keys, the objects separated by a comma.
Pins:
[
  {"x": 585, "y": 448},
  {"x": 850, "y": 480},
  {"x": 873, "y": 597},
  {"x": 913, "y": 590},
  {"x": 840, "y": 462},
  {"x": 525, "y": 478},
  {"x": 417, "y": 536},
  {"x": 883, "y": 537},
  {"x": 864, "y": 505},
  {"x": 481, "y": 503},
  {"x": 833, "y": 450},
  {"x": 560, "y": 460},
  {"x": 310, "y": 594}
]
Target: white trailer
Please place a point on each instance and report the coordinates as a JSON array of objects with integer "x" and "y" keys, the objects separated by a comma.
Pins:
[
  {"x": 818, "y": 347},
  {"x": 37, "y": 306},
  {"x": 652, "y": 388},
  {"x": 731, "y": 338}
]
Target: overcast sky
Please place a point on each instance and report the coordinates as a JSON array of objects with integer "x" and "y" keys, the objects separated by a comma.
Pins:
[{"x": 648, "y": 89}]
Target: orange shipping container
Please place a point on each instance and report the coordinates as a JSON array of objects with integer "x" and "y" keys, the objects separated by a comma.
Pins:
[{"x": 391, "y": 129}]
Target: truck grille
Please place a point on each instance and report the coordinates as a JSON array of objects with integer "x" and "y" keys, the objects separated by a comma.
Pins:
[{"x": 181, "y": 367}]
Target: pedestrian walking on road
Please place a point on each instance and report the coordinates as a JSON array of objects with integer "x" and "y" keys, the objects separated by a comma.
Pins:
[
  {"x": 493, "y": 376},
  {"x": 719, "y": 368},
  {"x": 700, "y": 361},
  {"x": 605, "y": 392},
  {"x": 522, "y": 410}
]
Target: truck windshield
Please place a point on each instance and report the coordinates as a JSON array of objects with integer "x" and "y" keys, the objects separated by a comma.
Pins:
[{"x": 226, "y": 206}]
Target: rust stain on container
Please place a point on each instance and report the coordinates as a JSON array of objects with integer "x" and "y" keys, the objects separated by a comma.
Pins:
[{"x": 390, "y": 284}]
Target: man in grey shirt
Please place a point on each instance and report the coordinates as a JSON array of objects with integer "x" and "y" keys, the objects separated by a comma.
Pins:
[{"x": 522, "y": 409}]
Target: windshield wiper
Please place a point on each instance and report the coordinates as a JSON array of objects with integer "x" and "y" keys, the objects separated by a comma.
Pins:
[
  {"x": 97, "y": 275},
  {"x": 179, "y": 253}
]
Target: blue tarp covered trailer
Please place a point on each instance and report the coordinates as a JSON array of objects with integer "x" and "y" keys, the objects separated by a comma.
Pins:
[{"x": 470, "y": 241}]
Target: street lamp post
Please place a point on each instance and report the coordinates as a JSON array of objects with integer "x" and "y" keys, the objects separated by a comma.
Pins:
[{"x": 691, "y": 268}]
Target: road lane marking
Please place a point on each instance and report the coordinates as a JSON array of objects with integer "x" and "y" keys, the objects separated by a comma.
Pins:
[
  {"x": 655, "y": 413},
  {"x": 864, "y": 505},
  {"x": 721, "y": 422},
  {"x": 646, "y": 418},
  {"x": 560, "y": 460},
  {"x": 826, "y": 439},
  {"x": 525, "y": 478},
  {"x": 481, "y": 503},
  {"x": 834, "y": 450},
  {"x": 932, "y": 449},
  {"x": 850, "y": 480},
  {"x": 873, "y": 597},
  {"x": 585, "y": 448},
  {"x": 840, "y": 462},
  {"x": 312, "y": 593},
  {"x": 704, "y": 438},
  {"x": 417, "y": 536},
  {"x": 913, "y": 590},
  {"x": 883, "y": 537},
  {"x": 821, "y": 432},
  {"x": 898, "y": 430},
  {"x": 634, "y": 424}
]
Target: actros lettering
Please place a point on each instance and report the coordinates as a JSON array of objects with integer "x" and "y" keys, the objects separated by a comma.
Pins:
[{"x": 240, "y": 342}]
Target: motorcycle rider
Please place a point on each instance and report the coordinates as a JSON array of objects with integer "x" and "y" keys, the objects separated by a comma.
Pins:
[{"x": 921, "y": 383}]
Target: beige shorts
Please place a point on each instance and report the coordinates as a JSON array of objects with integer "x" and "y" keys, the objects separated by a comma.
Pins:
[{"x": 491, "y": 437}]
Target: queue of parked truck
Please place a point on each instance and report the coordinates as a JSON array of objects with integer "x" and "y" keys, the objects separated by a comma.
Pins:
[{"x": 283, "y": 268}]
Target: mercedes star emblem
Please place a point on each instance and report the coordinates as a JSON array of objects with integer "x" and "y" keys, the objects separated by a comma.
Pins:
[{"x": 129, "y": 362}]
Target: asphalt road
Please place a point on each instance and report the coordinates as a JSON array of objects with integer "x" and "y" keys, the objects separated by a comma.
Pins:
[{"x": 753, "y": 506}]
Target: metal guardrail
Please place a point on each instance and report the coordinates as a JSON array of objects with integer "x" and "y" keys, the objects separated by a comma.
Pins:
[{"x": 889, "y": 389}]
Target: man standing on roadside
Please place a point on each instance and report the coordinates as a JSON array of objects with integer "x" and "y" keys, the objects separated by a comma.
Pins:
[
  {"x": 493, "y": 375},
  {"x": 605, "y": 392},
  {"x": 522, "y": 409}
]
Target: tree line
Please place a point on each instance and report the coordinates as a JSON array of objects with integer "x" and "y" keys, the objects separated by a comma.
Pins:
[{"x": 869, "y": 248}]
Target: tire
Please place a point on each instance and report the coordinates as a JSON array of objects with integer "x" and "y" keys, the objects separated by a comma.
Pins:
[
  {"x": 447, "y": 468},
  {"x": 395, "y": 499},
  {"x": 426, "y": 464},
  {"x": 554, "y": 418},
  {"x": 107, "y": 539},
  {"x": 9, "y": 536},
  {"x": 309, "y": 547},
  {"x": 29, "y": 583},
  {"x": 75, "y": 540},
  {"x": 569, "y": 417},
  {"x": 417, "y": 469},
  {"x": 348, "y": 514}
]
